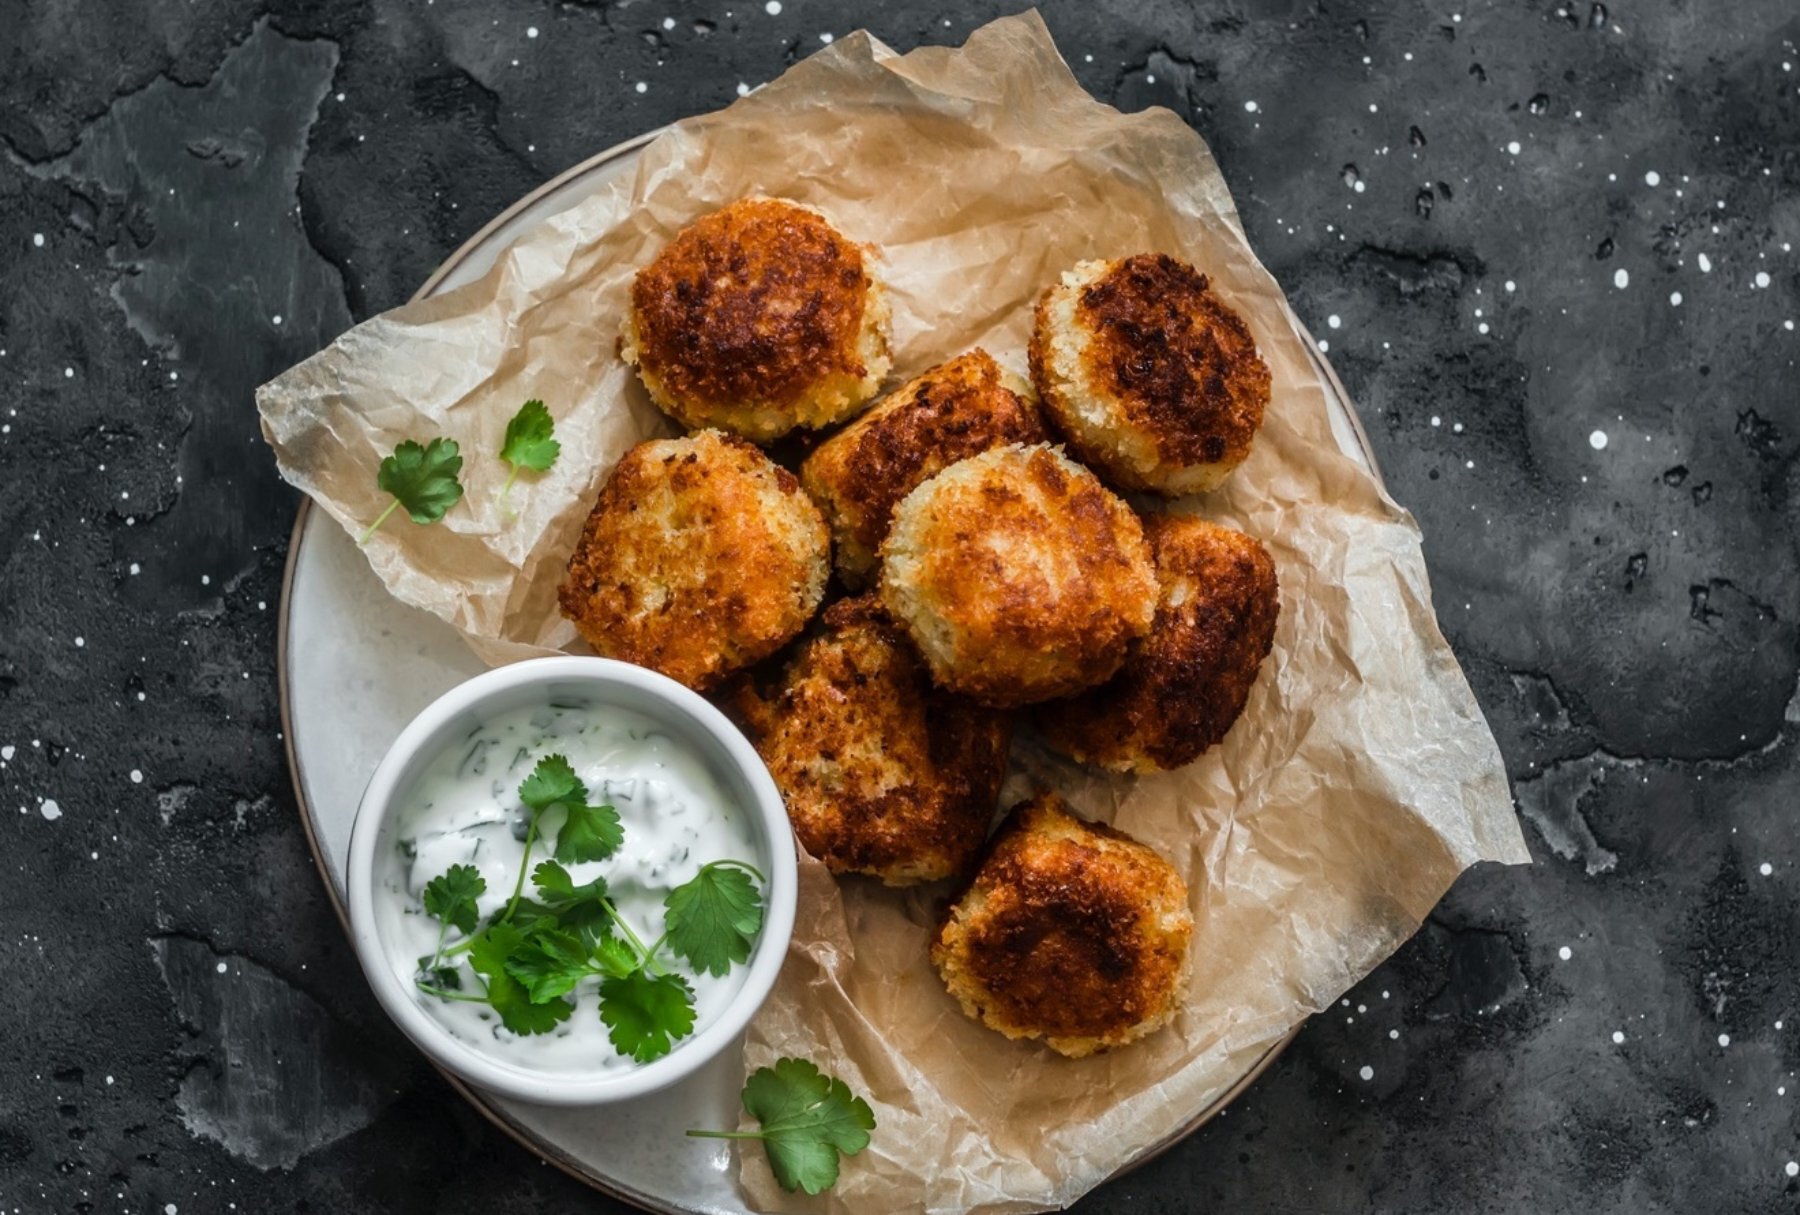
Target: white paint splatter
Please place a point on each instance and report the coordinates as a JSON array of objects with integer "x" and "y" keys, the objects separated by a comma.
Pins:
[
  {"x": 135, "y": 569},
  {"x": 50, "y": 810},
  {"x": 1765, "y": 869},
  {"x": 743, "y": 89},
  {"x": 1597, "y": 440},
  {"x": 532, "y": 32},
  {"x": 1653, "y": 178},
  {"x": 1762, "y": 278},
  {"x": 137, "y": 777},
  {"x": 1334, "y": 321},
  {"x": 1724, "y": 1039},
  {"x": 773, "y": 8},
  {"x": 1250, "y": 107},
  {"x": 1510, "y": 286},
  {"x": 1705, "y": 264},
  {"x": 1675, "y": 299},
  {"x": 1565, "y": 953},
  {"x": 1367, "y": 1072},
  {"x": 220, "y": 968},
  {"x": 1512, "y": 149},
  {"x": 1393, "y": 1033},
  {"x": 1791, "y": 1168},
  {"x": 1621, "y": 278},
  {"x": 37, "y": 239},
  {"x": 1618, "y": 1037},
  {"x": 642, "y": 87}
]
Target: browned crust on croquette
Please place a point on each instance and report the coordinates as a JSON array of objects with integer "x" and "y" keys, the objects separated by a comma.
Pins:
[
  {"x": 882, "y": 773},
  {"x": 1024, "y": 634},
  {"x": 1071, "y": 932},
  {"x": 756, "y": 302},
  {"x": 700, "y": 557},
  {"x": 955, "y": 410},
  {"x": 1187, "y": 681},
  {"x": 1181, "y": 363}
]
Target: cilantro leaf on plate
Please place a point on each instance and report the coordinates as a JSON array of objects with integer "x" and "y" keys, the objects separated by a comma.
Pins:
[
  {"x": 421, "y": 479},
  {"x": 450, "y": 896},
  {"x": 589, "y": 833},
  {"x": 807, "y": 1120},
  {"x": 530, "y": 441},
  {"x": 714, "y": 917},
  {"x": 646, "y": 1014}
]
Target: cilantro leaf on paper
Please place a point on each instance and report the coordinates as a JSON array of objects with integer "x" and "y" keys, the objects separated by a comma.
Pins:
[
  {"x": 807, "y": 1119},
  {"x": 714, "y": 917},
  {"x": 646, "y": 1014},
  {"x": 450, "y": 896},
  {"x": 421, "y": 479},
  {"x": 530, "y": 440}
]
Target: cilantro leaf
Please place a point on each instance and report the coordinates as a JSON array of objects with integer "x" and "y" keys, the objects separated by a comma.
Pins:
[
  {"x": 451, "y": 895},
  {"x": 808, "y": 1120},
  {"x": 558, "y": 889},
  {"x": 714, "y": 917},
  {"x": 422, "y": 479},
  {"x": 528, "y": 442},
  {"x": 645, "y": 1014},
  {"x": 510, "y": 998},
  {"x": 614, "y": 958},
  {"x": 589, "y": 833},
  {"x": 553, "y": 781},
  {"x": 549, "y": 963}
]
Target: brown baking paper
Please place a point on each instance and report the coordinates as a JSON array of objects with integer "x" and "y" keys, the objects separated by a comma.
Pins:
[{"x": 1360, "y": 781}]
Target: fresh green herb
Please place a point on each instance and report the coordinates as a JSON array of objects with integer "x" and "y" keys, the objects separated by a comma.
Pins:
[
  {"x": 534, "y": 955},
  {"x": 713, "y": 918},
  {"x": 645, "y": 1014},
  {"x": 808, "y": 1121},
  {"x": 529, "y": 443},
  {"x": 422, "y": 479}
]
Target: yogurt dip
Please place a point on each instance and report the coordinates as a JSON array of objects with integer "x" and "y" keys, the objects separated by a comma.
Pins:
[{"x": 464, "y": 808}]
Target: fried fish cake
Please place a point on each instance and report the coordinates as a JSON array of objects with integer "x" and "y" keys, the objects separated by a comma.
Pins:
[
  {"x": 1151, "y": 377},
  {"x": 1185, "y": 683},
  {"x": 758, "y": 318},
  {"x": 1071, "y": 932},
  {"x": 700, "y": 557},
  {"x": 1018, "y": 575},
  {"x": 955, "y": 410},
  {"x": 882, "y": 773}
]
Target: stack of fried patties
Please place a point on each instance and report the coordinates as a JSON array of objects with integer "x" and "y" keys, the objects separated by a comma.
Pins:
[{"x": 987, "y": 567}]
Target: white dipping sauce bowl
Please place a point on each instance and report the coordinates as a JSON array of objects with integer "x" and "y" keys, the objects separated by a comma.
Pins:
[{"x": 598, "y": 682}]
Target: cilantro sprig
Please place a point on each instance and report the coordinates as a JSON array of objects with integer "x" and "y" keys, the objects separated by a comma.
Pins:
[
  {"x": 535, "y": 957},
  {"x": 530, "y": 443},
  {"x": 808, "y": 1121},
  {"x": 422, "y": 479}
]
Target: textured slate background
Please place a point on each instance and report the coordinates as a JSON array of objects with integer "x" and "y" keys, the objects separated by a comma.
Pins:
[{"x": 1550, "y": 248}]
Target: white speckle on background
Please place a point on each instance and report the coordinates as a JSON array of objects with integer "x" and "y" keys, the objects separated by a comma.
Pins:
[
  {"x": 135, "y": 568},
  {"x": 205, "y": 579},
  {"x": 1621, "y": 278},
  {"x": 1250, "y": 107},
  {"x": 1724, "y": 1039},
  {"x": 1675, "y": 299},
  {"x": 669, "y": 22},
  {"x": 1765, "y": 869},
  {"x": 1324, "y": 345},
  {"x": 1792, "y": 1168},
  {"x": 1393, "y": 1033},
  {"x": 68, "y": 373},
  {"x": 37, "y": 239},
  {"x": 1367, "y": 1072},
  {"x": 80, "y": 642},
  {"x": 743, "y": 89},
  {"x": 1705, "y": 264},
  {"x": 1597, "y": 440},
  {"x": 826, "y": 39},
  {"x": 169, "y": 1209},
  {"x": 1762, "y": 278},
  {"x": 1482, "y": 328},
  {"x": 533, "y": 32},
  {"x": 773, "y": 8},
  {"x": 50, "y": 809},
  {"x": 1436, "y": 421},
  {"x": 1334, "y": 322},
  {"x": 1618, "y": 1037},
  {"x": 1565, "y": 953},
  {"x": 1510, "y": 287},
  {"x": 642, "y": 87},
  {"x": 1512, "y": 148},
  {"x": 1653, "y": 178},
  {"x": 276, "y": 318},
  {"x": 220, "y": 968},
  {"x": 137, "y": 777}
]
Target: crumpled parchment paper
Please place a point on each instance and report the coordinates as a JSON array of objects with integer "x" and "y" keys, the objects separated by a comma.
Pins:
[{"x": 1359, "y": 782}]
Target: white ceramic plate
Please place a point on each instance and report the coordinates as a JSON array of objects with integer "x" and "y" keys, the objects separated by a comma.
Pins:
[{"x": 356, "y": 665}]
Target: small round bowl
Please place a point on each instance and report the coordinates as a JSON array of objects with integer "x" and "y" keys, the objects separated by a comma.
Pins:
[{"x": 598, "y": 681}]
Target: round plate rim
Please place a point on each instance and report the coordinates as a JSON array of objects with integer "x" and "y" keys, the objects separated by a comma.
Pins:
[{"x": 651, "y": 1202}]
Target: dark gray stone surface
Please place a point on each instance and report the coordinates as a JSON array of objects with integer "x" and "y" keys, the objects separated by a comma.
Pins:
[{"x": 1487, "y": 210}]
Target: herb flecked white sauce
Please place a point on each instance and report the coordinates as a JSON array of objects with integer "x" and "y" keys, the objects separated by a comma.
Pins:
[{"x": 465, "y": 809}]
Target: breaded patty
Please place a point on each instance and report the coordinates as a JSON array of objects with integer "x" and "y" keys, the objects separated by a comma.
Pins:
[
  {"x": 1149, "y": 375},
  {"x": 1071, "y": 932},
  {"x": 1018, "y": 575},
  {"x": 1186, "y": 682},
  {"x": 700, "y": 557},
  {"x": 951, "y": 412},
  {"x": 758, "y": 318},
  {"x": 882, "y": 773}
]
